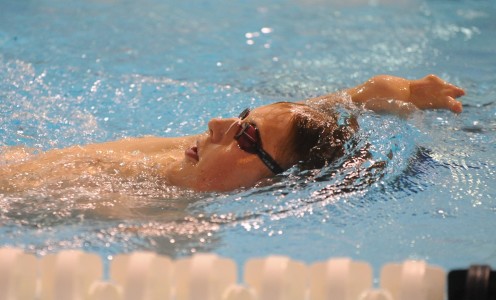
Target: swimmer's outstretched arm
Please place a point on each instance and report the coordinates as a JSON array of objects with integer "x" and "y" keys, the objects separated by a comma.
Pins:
[
  {"x": 390, "y": 94},
  {"x": 430, "y": 92}
]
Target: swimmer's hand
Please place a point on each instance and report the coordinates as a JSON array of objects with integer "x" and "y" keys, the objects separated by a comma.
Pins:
[{"x": 431, "y": 92}]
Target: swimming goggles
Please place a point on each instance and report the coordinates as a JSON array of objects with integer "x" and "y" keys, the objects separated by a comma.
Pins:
[{"x": 248, "y": 138}]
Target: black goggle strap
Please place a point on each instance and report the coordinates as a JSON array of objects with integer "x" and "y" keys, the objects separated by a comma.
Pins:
[
  {"x": 259, "y": 151},
  {"x": 268, "y": 161}
]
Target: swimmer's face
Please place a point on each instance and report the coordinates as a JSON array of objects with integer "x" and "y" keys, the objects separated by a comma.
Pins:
[{"x": 218, "y": 163}]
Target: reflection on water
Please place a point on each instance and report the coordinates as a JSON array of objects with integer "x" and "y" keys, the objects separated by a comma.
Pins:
[{"x": 45, "y": 219}]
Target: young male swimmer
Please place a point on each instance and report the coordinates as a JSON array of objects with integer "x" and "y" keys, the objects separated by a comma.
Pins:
[{"x": 235, "y": 152}]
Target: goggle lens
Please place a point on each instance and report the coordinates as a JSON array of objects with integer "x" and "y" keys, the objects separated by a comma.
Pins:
[
  {"x": 247, "y": 137},
  {"x": 248, "y": 140}
]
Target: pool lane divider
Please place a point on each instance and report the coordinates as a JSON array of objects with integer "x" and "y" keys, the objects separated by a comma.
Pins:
[
  {"x": 77, "y": 275},
  {"x": 18, "y": 274},
  {"x": 143, "y": 275}
]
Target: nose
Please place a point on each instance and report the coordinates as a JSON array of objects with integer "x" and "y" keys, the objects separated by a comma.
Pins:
[{"x": 221, "y": 128}]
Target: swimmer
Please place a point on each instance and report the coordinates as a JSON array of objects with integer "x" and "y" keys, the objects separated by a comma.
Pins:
[{"x": 234, "y": 152}]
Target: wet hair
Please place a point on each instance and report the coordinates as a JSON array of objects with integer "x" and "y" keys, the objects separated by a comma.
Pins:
[{"x": 316, "y": 138}]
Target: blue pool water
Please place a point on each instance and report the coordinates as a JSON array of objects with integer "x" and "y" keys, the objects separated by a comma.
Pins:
[{"x": 77, "y": 72}]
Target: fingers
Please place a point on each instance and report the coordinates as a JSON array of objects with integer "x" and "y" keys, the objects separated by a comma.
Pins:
[
  {"x": 458, "y": 92},
  {"x": 454, "y": 91},
  {"x": 454, "y": 105}
]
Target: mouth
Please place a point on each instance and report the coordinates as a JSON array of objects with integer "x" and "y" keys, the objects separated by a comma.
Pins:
[{"x": 192, "y": 153}]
